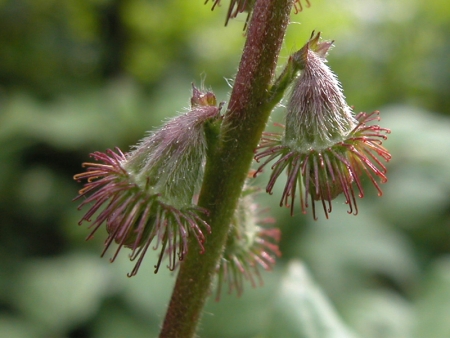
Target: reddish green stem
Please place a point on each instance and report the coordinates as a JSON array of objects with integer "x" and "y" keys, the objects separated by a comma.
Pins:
[{"x": 226, "y": 170}]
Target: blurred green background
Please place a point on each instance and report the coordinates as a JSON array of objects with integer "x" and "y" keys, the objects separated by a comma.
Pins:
[{"x": 83, "y": 75}]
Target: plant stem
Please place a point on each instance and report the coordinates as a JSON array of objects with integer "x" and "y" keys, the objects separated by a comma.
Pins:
[{"x": 226, "y": 170}]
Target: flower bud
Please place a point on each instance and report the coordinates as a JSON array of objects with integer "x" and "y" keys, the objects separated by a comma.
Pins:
[
  {"x": 169, "y": 161},
  {"x": 250, "y": 244},
  {"x": 147, "y": 194},
  {"x": 318, "y": 115},
  {"x": 324, "y": 149},
  {"x": 201, "y": 99},
  {"x": 323, "y": 174}
]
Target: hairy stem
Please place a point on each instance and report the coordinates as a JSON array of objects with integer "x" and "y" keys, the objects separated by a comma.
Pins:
[{"x": 226, "y": 170}]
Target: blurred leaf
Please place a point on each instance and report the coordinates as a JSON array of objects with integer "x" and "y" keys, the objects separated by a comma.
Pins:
[
  {"x": 419, "y": 138},
  {"x": 99, "y": 117},
  {"x": 59, "y": 293},
  {"x": 379, "y": 313},
  {"x": 116, "y": 321},
  {"x": 433, "y": 304},
  {"x": 416, "y": 196},
  {"x": 301, "y": 310},
  {"x": 241, "y": 317},
  {"x": 146, "y": 293},
  {"x": 348, "y": 253},
  {"x": 11, "y": 327}
]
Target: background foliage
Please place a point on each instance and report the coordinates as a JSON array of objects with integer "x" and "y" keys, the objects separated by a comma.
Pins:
[{"x": 79, "y": 76}]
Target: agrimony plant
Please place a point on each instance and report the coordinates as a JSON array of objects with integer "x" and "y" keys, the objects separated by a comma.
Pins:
[{"x": 182, "y": 190}]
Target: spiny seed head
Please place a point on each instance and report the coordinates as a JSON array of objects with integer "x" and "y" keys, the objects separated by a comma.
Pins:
[
  {"x": 324, "y": 173},
  {"x": 250, "y": 244},
  {"x": 317, "y": 114},
  {"x": 169, "y": 161},
  {"x": 146, "y": 196},
  {"x": 324, "y": 149}
]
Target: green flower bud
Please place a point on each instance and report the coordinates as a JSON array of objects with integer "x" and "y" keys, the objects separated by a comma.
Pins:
[
  {"x": 147, "y": 195},
  {"x": 318, "y": 115},
  {"x": 323, "y": 174},
  {"x": 169, "y": 161},
  {"x": 250, "y": 244},
  {"x": 324, "y": 149}
]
